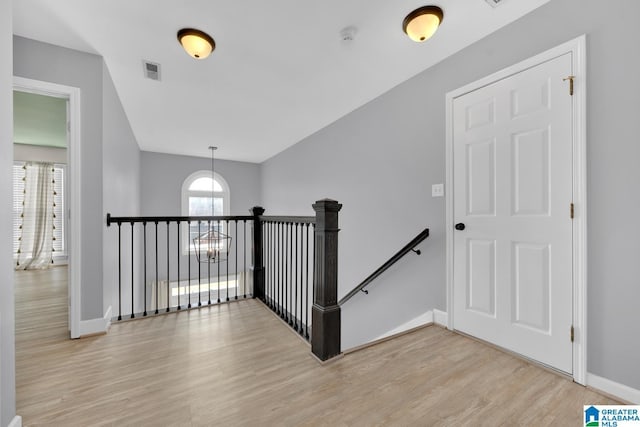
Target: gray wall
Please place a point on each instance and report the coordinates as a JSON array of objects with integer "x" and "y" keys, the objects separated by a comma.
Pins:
[
  {"x": 121, "y": 183},
  {"x": 7, "y": 324},
  {"x": 41, "y": 61},
  {"x": 381, "y": 160},
  {"x": 163, "y": 175}
]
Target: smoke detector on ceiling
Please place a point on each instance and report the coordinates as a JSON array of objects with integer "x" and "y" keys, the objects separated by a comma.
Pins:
[
  {"x": 151, "y": 70},
  {"x": 348, "y": 34},
  {"x": 494, "y": 3}
]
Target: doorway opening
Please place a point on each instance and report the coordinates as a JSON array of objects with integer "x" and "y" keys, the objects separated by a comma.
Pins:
[{"x": 46, "y": 219}]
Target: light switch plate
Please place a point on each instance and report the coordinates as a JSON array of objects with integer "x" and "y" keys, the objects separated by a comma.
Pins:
[{"x": 437, "y": 190}]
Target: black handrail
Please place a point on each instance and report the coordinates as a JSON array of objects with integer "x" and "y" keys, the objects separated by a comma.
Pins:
[
  {"x": 291, "y": 219},
  {"x": 131, "y": 219},
  {"x": 402, "y": 252}
]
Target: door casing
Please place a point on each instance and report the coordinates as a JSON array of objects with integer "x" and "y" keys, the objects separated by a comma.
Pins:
[
  {"x": 577, "y": 47},
  {"x": 72, "y": 94}
]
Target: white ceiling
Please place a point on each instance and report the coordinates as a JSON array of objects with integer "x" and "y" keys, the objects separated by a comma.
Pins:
[{"x": 280, "y": 71}]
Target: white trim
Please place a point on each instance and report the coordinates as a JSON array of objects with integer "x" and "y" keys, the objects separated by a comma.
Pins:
[
  {"x": 225, "y": 193},
  {"x": 16, "y": 421},
  {"x": 440, "y": 317},
  {"x": 96, "y": 326},
  {"x": 577, "y": 47},
  {"x": 74, "y": 249},
  {"x": 421, "y": 320},
  {"x": 613, "y": 388},
  {"x": 579, "y": 65}
]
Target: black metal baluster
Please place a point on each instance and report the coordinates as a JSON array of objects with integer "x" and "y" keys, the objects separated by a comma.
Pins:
[
  {"x": 244, "y": 267},
  {"x": 144, "y": 236},
  {"x": 210, "y": 253},
  {"x": 236, "y": 278},
  {"x": 281, "y": 273},
  {"x": 274, "y": 262},
  {"x": 132, "y": 264},
  {"x": 218, "y": 228},
  {"x": 291, "y": 278},
  {"x": 156, "y": 223},
  {"x": 287, "y": 256},
  {"x": 199, "y": 266},
  {"x": 287, "y": 286},
  {"x": 285, "y": 271},
  {"x": 301, "y": 272},
  {"x": 283, "y": 291},
  {"x": 272, "y": 265},
  {"x": 189, "y": 261},
  {"x": 265, "y": 245},
  {"x": 295, "y": 286},
  {"x": 119, "y": 274},
  {"x": 265, "y": 257},
  {"x": 312, "y": 274},
  {"x": 279, "y": 264},
  {"x": 227, "y": 261},
  {"x": 168, "y": 276},
  {"x": 285, "y": 268},
  {"x": 178, "y": 255}
]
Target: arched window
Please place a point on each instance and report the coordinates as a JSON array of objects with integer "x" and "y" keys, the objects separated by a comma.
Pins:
[{"x": 203, "y": 195}]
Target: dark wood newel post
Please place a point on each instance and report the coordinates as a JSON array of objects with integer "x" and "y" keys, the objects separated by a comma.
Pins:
[
  {"x": 257, "y": 254},
  {"x": 325, "y": 314}
]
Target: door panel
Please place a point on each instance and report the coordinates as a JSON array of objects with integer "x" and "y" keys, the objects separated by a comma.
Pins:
[
  {"x": 481, "y": 178},
  {"x": 530, "y": 177},
  {"x": 512, "y": 173},
  {"x": 531, "y": 286},
  {"x": 481, "y": 283}
]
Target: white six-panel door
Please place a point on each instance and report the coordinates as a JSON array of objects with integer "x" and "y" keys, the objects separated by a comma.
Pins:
[{"x": 512, "y": 174}]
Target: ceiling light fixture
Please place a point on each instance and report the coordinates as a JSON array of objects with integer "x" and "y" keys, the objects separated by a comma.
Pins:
[
  {"x": 422, "y": 23},
  {"x": 212, "y": 239},
  {"x": 196, "y": 43}
]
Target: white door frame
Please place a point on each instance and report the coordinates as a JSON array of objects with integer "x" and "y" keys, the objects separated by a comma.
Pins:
[
  {"x": 73, "y": 167},
  {"x": 577, "y": 47}
]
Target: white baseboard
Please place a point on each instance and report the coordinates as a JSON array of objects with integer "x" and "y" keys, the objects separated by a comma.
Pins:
[
  {"x": 440, "y": 317},
  {"x": 16, "y": 422},
  {"x": 421, "y": 320},
  {"x": 613, "y": 388},
  {"x": 96, "y": 326}
]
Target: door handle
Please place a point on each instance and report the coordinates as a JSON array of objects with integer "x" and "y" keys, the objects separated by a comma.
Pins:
[{"x": 460, "y": 226}]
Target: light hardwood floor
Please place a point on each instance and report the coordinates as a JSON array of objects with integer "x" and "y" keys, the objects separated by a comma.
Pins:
[{"x": 237, "y": 364}]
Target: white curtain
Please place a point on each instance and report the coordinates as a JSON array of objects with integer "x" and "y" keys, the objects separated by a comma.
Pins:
[{"x": 36, "y": 240}]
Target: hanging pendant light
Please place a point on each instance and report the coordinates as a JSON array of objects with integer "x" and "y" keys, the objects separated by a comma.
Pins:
[
  {"x": 196, "y": 43},
  {"x": 212, "y": 243},
  {"x": 215, "y": 243},
  {"x": 422, "y": 23}
]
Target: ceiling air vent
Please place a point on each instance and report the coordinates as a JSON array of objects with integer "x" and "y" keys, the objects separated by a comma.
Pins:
[
  {"x": 494, "y": 3},
  {"x": 151, "y": 70}
]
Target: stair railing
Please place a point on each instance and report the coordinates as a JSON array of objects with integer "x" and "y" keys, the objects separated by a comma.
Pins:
[
  {"x": 285, "y": 255},
  {"x": 409, "y": 247}
]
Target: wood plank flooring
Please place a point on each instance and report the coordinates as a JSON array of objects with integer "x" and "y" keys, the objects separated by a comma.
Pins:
[{"x": 236, "y": 364}]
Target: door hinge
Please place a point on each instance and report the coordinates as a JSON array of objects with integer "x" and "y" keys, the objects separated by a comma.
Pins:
[
  {"x": 572, "y": 333},
  {"x": 572, "y": 211},
  {"x": 570, "y": 78}
]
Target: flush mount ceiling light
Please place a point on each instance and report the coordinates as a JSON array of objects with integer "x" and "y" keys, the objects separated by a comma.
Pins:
[
  {"x": 197, "y": 43},
  {"x": 422, "y": 23}
]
